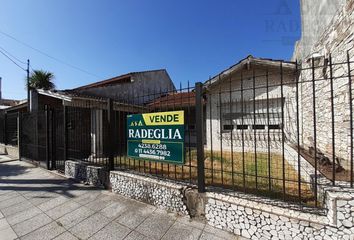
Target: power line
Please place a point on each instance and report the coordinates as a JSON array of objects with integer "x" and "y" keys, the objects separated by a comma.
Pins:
[
  {"x": 12, "y": 60},
  {"x": 47, "y": 55},
  {"x": 8, "y": 53}
]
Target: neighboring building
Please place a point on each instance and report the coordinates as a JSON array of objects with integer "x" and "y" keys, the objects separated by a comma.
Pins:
[
  {"x": 87, "y": 106},
  {"x": 7, "y": 103},
  {"x": 328, "y": 28},
  {"x": 131, "y": 87},
  {"x": 316, "y": 16}
]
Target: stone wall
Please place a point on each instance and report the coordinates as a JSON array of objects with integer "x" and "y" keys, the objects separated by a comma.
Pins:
[
  {"x": 94, "y": 175},
  {"x": 246, "y": 215},
  {"x": 336, "y": 40},
  {"x": 258, "y": 218},
  {"x": 315, "y": 18},
  {"x": 167, "y": 195}
]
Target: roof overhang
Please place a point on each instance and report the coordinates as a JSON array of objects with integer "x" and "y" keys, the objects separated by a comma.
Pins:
[{"x": 247, "y": 63}]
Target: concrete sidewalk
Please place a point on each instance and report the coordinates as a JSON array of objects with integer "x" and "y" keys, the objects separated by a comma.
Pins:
[{"x": 37, "y": 204}]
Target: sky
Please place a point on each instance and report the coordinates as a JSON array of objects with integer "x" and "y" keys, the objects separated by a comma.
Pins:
[{"x": 85, "y": 41}]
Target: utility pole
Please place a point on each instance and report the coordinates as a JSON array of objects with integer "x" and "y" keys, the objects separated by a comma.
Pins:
[{"x": 28, "y": 87}]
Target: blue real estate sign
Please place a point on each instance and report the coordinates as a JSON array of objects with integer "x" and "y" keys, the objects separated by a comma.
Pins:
[{"x": 156, "y": 136}]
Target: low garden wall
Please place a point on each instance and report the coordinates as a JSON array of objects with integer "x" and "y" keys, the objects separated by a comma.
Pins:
[
  {"x": 167, "y": 195},
  {"x": 246, "y": 215},
  {"x": 94, "y": 175}
]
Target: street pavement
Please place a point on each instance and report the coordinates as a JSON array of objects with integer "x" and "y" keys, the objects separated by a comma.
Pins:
[{"x": 38, "y": 204}]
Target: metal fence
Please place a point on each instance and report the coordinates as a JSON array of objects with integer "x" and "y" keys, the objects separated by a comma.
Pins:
[
  {"x": 283, "y": 131},
  {"x": 8, "y": 128}
]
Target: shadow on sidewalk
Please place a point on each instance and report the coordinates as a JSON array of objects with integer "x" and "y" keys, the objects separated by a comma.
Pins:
[{"x": 18, "y": 176}]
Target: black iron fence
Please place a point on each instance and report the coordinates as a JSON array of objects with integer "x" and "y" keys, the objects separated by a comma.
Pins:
[
  {"x": 8, "y": 128},
  {"x": 283, "y": 130}
]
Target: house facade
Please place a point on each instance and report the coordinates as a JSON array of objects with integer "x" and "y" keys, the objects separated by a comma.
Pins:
[{"x": 245, "y": 105}]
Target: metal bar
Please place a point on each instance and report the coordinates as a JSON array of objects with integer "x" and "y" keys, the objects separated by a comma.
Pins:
[
  {"x": 314, "y": 126},
  {"x": 255, "y": 128},
  {"x": 110, "y": 137},
  {"x": 211, "y": 136},
  {"x": 332, "y": 125},
  {"x": 351, "y": 119},
  {"x": 19, "y": 134},
  {"x": 268, "y": 133},
  {"x": 243, "y": 138},
  {"x": 282, "y": 127},
  {"x": 181, "y": 106},
  {"x": 221, "y": 137},
  {"x": 189, "y": 135},
  {"x": 47, "y": 152},
  {"x": 298, "y": 132},
  {"x": 5, "y": 128},
  {"x": 53, "y": 124},
  {"x": 200, "y": 131},
  {"x": 65, "y": 145},
  {"x": 231, "y": 137}
]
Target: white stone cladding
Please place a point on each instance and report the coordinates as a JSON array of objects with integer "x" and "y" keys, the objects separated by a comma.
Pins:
[
  {"x": 258, "y": 218},
  {"x": 336, "y": 40},
  {"x": 163, "y": 194},
  {"x": 94, "y": 175}
]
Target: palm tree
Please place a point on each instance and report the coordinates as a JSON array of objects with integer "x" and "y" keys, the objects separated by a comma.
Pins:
[{"x": 40, "y": 79}]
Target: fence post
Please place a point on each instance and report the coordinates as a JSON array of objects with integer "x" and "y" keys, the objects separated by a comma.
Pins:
[
  {"x": 47, "y": 150},
  {"x": 110, "y": 119},
  {"x": 200, "y": 135},
  {"x": 65, "y": 144},
  {"x": 5, "y": 126},
  {"x": 19, "y": 134}
]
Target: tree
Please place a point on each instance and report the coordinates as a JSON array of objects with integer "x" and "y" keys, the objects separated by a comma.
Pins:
[{"x": 40, "y": 79}]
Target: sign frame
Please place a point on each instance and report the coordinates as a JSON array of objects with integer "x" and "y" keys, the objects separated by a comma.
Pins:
[{"x": 146, "y": 121}]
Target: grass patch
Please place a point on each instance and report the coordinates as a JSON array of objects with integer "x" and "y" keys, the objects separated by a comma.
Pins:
[{"x": 260, "y": 174}]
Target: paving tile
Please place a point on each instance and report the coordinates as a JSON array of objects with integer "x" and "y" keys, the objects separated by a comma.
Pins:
[
  {"x": 52, "y": 203},
  {"x": 179, "y": 231},
  {"x": 11, "y": 201},
  {"x": 209, "y": 236},
  {"x": 113, "y": 231},
  {"x": 36, "y": 201},
  {"x": 89, "y": 226},
  {"x": 134, "y": 235},
  {"x": 114, "y": 210},
  {"x": 4, "y": 224},
  {"x": 66, "y": 236},
  {"x": 62, "y": 209},
  {"x": 89, "y": 196},
  {"x": 135, "y": 215},
  {"x": 8, "y": 194},
  {"x": 32, "y": 224},
  {"x": 156, "y": 225},
  {"x": 191, "y": 222},
  {"x": 1, "y": 215},
  {"x": 71, "y": 219},
  {"x": 218, "y": 232},
  {"x": 46, "y": 232},
  {"x": 22, "y": 216},
  {"x": 17, "y": 208},
  {"x": 100, "y": 202},
  {"x": 7, "y": 234}
]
